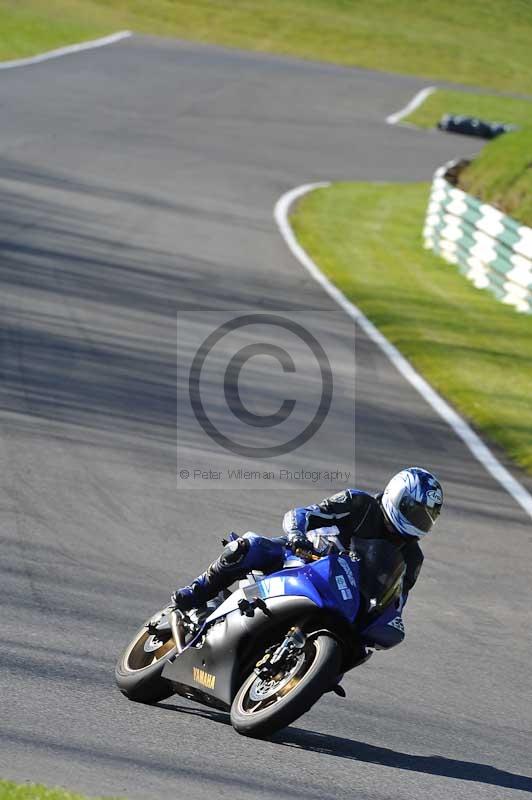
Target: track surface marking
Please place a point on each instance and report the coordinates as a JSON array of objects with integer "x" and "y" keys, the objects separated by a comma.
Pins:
[
  {"x": 415, "y": 102},
  {"x": 66, "y": 51}
]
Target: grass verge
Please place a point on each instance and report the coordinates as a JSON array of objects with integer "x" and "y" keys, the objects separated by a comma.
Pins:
[
  {"x": 492, "y": 108},
  {"x": 502, "y": 175},
  {"x": 475, "y": 351},
  {"x": 482, "y": 42},
  {"x": 33, "y": 26},
  {"x": 33, "y": 791}
]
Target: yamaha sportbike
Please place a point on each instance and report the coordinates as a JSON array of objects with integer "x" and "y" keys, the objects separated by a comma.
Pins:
[{"x": 269, "y": 650}]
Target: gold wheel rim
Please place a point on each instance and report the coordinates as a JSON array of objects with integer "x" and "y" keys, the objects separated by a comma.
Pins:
[
  {"x": 137, "y": 658},
  {"x": 261, "y": 707}
]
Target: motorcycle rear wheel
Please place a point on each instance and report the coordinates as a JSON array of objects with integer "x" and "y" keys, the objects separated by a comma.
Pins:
[
  {"x": 138, "y": 670},
  {"x": 261, "y": 708}
]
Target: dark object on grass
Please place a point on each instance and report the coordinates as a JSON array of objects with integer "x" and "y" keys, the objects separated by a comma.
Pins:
[{"x": 471, "y": 126}]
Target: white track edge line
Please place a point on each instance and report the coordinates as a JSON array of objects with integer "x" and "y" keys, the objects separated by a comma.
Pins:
[
  {"x": 65, "y": 51},
  {"x": 472, "y": 441},
  {"x": 415, "y": 102}
]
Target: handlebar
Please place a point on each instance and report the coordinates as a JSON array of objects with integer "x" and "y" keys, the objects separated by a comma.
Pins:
[{"x": 304, "y": 553}]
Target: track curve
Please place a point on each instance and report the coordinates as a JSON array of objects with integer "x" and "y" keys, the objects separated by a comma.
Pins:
[{"x": 133, "y": 181}]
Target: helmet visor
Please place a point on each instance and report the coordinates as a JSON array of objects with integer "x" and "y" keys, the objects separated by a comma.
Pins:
[{"x": 419, "y": 514}]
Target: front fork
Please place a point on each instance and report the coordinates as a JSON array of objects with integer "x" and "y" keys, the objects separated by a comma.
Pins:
[
  {"x": 278, "y": 657},
  {"x": 178, "y": 631}
]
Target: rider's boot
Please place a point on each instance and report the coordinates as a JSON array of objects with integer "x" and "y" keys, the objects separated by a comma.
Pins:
[{"x": 219, "y": 575}]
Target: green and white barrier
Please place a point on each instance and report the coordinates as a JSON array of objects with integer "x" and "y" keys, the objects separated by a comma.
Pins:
[{"x": 492, "y": 250}]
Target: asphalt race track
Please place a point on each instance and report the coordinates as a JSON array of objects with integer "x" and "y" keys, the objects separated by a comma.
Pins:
[{"x": 137, "y": 180}]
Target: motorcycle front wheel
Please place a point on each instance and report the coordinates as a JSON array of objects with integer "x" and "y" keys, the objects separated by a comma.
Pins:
[
  {"x": 262, "y": 707},
  {"x": 138, "y": 670}
]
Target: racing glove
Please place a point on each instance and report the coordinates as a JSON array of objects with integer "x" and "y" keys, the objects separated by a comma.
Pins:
[{"x": 298, "y": 541}]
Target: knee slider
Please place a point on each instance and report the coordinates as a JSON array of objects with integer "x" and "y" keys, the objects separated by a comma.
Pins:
[{"x": 234, "y": 552}]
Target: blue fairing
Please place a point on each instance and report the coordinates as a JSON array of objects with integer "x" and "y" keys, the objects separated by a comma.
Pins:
[
  {"x": 330, "y": 583},
  {"x": 386, "y": 631}
]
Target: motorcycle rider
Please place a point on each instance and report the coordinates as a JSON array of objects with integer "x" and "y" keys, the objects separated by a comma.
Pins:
[{"x": 402, "y": 514}]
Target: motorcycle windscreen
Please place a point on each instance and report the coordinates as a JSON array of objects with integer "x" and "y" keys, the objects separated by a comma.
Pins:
[{"x": 382, "y": 568}]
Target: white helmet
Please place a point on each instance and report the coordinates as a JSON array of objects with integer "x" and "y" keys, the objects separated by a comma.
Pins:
[{"x": 412, "y": 501}]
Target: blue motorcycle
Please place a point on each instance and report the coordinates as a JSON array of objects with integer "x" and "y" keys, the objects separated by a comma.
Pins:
[{"x": 271, "y": 648}]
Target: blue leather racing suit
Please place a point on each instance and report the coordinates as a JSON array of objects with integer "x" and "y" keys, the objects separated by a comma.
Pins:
[{"x": 337, "y": 522}]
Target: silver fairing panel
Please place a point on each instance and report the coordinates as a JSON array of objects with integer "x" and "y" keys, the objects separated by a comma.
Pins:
[{"x": 216, "y": 665}]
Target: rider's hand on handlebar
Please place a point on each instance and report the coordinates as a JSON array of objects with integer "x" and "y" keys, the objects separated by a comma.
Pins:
[{"x": 299, "y": 542}]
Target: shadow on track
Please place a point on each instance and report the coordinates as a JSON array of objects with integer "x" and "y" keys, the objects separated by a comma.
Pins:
[
  {"x": 221, "y": 717},
  {"x": 88, "y": 340},
  {"x": 371, "y": 754},
  {"x": 430, "y": 765}
]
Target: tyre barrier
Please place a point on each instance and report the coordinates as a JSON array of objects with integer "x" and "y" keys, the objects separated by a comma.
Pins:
[{"x": 491, "y": 249}]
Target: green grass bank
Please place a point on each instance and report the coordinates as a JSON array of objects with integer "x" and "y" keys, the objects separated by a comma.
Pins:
[
  {"x": 33, "y": 791},
  {"x": 482, "y": 42},
  {"x": 502, "y": 174},
  {"x": 475, "y": 351}
]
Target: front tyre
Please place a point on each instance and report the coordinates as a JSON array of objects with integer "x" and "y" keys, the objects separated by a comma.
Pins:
[
  {"x": 138, "y": 670},
  {"x": 262, "y": 707}
]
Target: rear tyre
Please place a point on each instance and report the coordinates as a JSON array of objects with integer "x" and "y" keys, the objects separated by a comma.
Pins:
[
  {"x": 262, "y": 707},
  {"x": 138, "y": 670}
]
